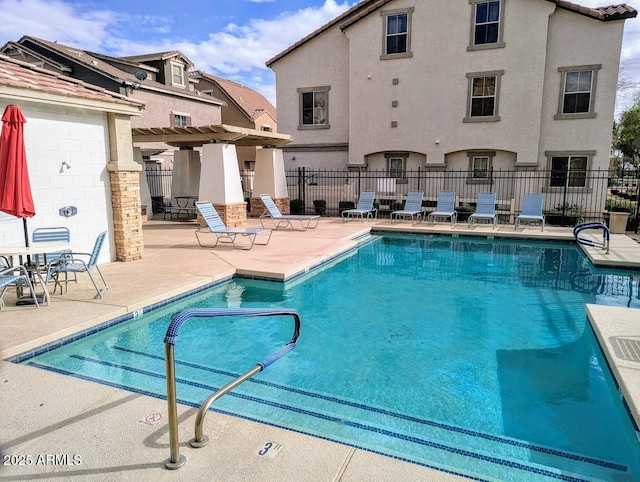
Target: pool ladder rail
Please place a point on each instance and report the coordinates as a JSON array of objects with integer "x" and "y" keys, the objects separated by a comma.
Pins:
[
  {"x": 175, "y": 461},
  {"x": 606, "y": 235}
]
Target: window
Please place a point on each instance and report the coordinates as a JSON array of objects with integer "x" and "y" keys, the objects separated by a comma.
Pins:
[
  {"x": 396, "y": 164},
  {"x": 397, "y": 34},
  {"x": 314, "y": 111},
  {"x": 483, "y": 96},
  {"x": 177, "y": 74},
  {"x": 480, "y": 166},
  {"x": 577, "y": 92},
  {"x": 180, "y": 120},
  {"x": 568, "y": 171},
  {"x": 486, "y": 25}
]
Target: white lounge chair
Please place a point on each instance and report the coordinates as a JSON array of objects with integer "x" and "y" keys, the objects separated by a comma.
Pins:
[
  {"x": 285, "y": 220},
  {"x": 445, "y": 207},
  {"x": 364, "y": 207},
  {"x": 16, "y": 276},
  {"x": 412, "y": 207},
  {"x": 531, "y": 209},
  {"x": 216, "y": 226},
  {"x": 485, "y": 209}
]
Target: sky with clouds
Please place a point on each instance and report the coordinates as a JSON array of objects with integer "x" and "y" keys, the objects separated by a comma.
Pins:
[{"x": 230, "y": 38}]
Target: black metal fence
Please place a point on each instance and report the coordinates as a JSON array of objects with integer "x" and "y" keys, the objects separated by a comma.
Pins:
[{"x": 570, "y": 198}]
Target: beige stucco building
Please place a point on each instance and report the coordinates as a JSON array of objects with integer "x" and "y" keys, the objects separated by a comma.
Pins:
[{"x": 398, "y": 85}]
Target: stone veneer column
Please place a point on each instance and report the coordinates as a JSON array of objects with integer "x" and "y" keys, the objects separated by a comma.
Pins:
[{"x": 125, "y": 190}]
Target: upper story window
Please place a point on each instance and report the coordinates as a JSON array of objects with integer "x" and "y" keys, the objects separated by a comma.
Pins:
[
  {"x": 180, "y": 120},
  {"x": 314, "y": 108},
  {"x": 577, "y": 92},
  {"x": 397, "y": 34},
  {"x": 177, "y": 74},
  {"x": 484, "y": 88},
  {"x": 486, "y": 25}
]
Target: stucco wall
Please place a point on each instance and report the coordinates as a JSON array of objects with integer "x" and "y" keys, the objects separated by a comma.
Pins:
[
  {"x": 54, "y": 135},
  {"x": 591, "y": 42}
]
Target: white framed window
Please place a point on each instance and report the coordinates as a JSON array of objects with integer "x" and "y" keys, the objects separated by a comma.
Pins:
[
  {"x": 577, "y": 92},
  {"x": 480, "y": 166},
  {"x": 396, "y": 164},
  {"x": 396, "y": 42},
  {"x": 180, "y": 119},
  {"x": 177, "y": 74},
  {"x": 486, "y": 24},
  {"x": 484, "y": 89},
  {"x": 314, "y": 108}
]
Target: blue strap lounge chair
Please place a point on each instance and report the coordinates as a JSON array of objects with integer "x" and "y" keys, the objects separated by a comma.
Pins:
[
  {"x": 485, "y": 209},
  {"x": 285, "y": 220},
  {"x": 16, "y": 276},
  {"x": 364, "y": 207},
  {"x": 412, "y": 207},
  {"x": 445, "y": 207},
  {"x": 531, "y": 209},
  {"x": 79, "y": 263},
  {"x": 216, "y": 226}
]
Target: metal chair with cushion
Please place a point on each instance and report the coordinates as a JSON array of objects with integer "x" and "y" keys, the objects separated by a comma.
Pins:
[{"x": 74, "y": 263}]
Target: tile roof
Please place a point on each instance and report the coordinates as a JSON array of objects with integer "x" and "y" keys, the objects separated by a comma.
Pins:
[
  {"x": 365, "y": 7},
  {"x": 16, "y": 73},
  {"x": 101, "y": 64},
  {"x": 251, "y": 102}
]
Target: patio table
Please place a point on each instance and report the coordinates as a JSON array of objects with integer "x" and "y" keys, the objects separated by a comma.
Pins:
[{"x": 35, "y": 250}]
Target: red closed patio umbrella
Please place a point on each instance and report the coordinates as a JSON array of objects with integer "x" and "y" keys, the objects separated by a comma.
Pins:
[{"x": 15, "y": 188}]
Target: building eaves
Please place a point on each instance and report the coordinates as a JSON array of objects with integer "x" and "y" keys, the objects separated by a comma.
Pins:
[
  {"x": 366, "y": 7},
  {"x": 250, "y": 102},
  {"x": 161, "y": 56},
  {"x": 25, "y": 76},
  {"x": 605, "y": 14},
  {"x": 353, "y": 11},
  {"x": 103, "y": 67},
  {"x": 16, "y": 47}
]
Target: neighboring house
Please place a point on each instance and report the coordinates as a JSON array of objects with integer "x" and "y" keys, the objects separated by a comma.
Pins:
[
  {"x": 160, "y": 80},
  {"x": 79, "y": 153},
  {"x": 476, "y": 86},
  {"x": 243, "y": 107}
]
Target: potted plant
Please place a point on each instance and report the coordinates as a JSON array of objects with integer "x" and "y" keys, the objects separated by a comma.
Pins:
[
  {"x": 344, "y": 205},
  {"x": 564, "y": 214},
  {"x": 320, "y": 206},
  {"x": 464, "y": 211},
  {"x": 296, "y": 206},
  {"x": 618, "y": 217}
]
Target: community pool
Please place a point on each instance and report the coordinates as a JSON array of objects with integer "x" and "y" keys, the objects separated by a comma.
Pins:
[{"x": 469, "y": 355}]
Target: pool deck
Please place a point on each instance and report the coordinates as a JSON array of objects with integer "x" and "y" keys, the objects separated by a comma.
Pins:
[{"x": 48, "y": 418}]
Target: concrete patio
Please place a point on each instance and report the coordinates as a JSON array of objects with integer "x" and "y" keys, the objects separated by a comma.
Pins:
[{"x": 70, "y": 428}]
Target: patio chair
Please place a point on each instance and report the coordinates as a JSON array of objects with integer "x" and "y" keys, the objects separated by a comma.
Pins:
[
  {"x": 75, "y": 263},
  {"x": 364, "y": 207},
  {"x": 285, "y": 220},
  {"x": 216, "y": 226},
  {"x": 485, "y": 209},
  {"x": 412, "y": 207},
  {"x": 17, "y": 276},
  {"x": 531, "y": 209},
  {"x": 445, "y": 207},
  {"x": 46, "y": 235}
]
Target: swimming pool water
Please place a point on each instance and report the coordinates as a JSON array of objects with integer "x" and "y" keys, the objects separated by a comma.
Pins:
[{"x": 469, "y": 355}]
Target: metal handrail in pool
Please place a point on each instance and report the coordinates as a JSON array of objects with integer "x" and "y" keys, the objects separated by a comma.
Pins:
[
  {"x": 176, "y": 460},
  {"x": 589, "y": 242}
]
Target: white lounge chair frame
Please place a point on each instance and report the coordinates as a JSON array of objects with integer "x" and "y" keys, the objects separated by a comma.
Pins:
[
  {"x": 16, "y": 276},
  {"x": 531, "y": 209},
  {"x": 283, "y": 221},
  {"x": 216, "y": 226},
  {"x": 364, "y": 207},
  {"x": 445, "y": 208},
  {"x": 485, "y": 209},
  {"x": 412, "y": 208}
]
